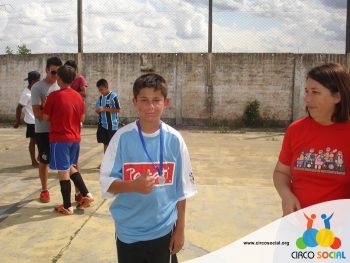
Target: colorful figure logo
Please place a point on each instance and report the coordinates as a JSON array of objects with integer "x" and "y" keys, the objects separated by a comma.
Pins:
[{"x": 313, "y": 237}]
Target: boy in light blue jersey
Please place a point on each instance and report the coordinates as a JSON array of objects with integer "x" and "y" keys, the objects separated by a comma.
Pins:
[{"x": 147, "y": 169}]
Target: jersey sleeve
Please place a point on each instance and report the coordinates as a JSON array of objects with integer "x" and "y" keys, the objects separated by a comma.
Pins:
[
  {"x": 97, "y": 105},
  {"x": 111, "y": 168},
  {"x": 286, "y": 152},
  {"x": 186, "y": 187},
  {"x": 24, "y": 98},
  {"x": 116, "y": 102},
  {"x": 35, "y": 95}
]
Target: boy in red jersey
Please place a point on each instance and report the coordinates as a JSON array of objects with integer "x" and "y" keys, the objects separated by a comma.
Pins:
[{"x": 65, "y": 109}]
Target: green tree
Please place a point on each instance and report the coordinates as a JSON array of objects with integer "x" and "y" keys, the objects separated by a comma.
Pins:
[
  {"x": 23, "y": 50},
  {"x": 8, "y": 50}
]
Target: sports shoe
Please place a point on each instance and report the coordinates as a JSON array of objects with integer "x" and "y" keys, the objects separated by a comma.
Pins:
[
  {"x": 45, "y": 196},
  {"x": 78, "y": 197},
  {"x": 85, "y": 201},
  {"x": 64, "y": 211}
]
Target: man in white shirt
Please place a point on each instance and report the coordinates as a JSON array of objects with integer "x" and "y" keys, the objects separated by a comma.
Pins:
[{"x": 25, "y": 105}]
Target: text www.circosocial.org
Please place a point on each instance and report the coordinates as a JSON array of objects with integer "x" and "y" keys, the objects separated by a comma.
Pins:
[{"x": 266, "y": 243}]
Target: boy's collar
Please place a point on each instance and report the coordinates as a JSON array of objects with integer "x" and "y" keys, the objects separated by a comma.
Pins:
[
  {"x": 109, "y": 92},
  {"x": 149, "y": 129}
]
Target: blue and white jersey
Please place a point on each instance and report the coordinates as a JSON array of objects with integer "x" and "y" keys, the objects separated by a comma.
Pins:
[
  {"x": 140, "y": 217},
  {"x": 108, "y": 120}
]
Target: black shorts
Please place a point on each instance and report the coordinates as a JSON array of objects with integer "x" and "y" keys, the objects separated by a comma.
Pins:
[
  {"x": 151, "y": 251},
  {"x": 103, "y": 135},
  {"x": 30, "y": 132},
  {"x": 42, "y": 140}
]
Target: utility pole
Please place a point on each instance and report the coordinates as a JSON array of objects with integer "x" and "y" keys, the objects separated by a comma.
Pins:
[
  {"x": 347, "y": 44},
  {"x": 210, "y": 26},
  {"x": 80, "y": 26},
  {"x": 80, "y": 35},
  {"x": 209, "y": 79}
]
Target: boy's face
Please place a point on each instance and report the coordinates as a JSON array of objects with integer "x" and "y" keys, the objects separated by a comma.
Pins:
[
  {"x": 60, "y": 82},
  {"x": 51, "y": 73},
  {"x": 103, "y": 90},
  {"x": 150, "y": 104}
]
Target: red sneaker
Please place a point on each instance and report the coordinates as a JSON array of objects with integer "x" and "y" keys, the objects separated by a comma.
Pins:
[
  {"x": 64, "y": 211},
  {"x": 85, "y": 201},
  {"x": 45, "y": 196},
  {"x": 78, "y": 197}
]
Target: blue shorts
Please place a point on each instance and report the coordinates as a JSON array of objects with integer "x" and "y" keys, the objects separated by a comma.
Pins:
[{"x": 63, "y": 155}]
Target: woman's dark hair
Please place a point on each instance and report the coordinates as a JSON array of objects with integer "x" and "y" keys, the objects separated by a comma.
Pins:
[{"x": 336, "y": 78}]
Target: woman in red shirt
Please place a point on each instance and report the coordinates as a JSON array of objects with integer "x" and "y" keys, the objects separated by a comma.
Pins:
[{"x": 314, "y": 162}]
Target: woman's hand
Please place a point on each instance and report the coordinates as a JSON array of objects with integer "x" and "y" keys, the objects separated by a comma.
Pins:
[{"x": 290, "y": 204}]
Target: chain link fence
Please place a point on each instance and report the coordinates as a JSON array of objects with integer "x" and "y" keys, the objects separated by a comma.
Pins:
[{"x": 254, "y": 26}]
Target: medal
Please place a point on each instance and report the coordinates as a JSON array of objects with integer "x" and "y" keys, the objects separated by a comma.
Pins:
[
  {"x": 161, "y": 179},
  {"x": 159, "y": 168}
]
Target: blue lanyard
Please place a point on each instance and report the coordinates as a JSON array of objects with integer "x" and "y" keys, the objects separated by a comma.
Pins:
[{"x": 159, "y": 168}]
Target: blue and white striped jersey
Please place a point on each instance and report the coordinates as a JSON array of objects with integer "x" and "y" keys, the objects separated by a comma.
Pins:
[{"x": 108, "y": 120}]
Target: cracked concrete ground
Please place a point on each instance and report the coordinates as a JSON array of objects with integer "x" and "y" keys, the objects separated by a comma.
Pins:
[{"x": 233, "y": 173}]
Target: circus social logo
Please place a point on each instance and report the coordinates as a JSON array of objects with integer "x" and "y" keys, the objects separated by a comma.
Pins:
[{"x": 322, "y": 238}]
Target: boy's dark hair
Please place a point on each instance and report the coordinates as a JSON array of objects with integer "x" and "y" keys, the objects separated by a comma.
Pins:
[
  {"x": 335, "y": 78},
  {"x": 66, "y": 74},
  {"x": 151, "y": 80},
  {"x": 71, "y": 63},
  {"x": 53, "y": 61},
  {"x": 102, "y": 82}
]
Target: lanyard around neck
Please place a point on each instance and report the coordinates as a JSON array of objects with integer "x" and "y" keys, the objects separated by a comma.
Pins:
[{"x": 159, "y": 168}]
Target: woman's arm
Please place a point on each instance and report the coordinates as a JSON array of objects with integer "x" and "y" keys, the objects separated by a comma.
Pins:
[{"x": 282, "y": 182}]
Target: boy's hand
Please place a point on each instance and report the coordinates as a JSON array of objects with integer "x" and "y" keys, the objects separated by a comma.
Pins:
[
  {"x": 43, "y": 101},
  {"x": 177, "y": 240},
  {"x": 99, "y": 109},
  {"x": 16, "y": 125},
  {"x": 144, "y": 183}
]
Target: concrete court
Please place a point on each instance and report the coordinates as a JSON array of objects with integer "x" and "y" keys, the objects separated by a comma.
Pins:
[{"x": 233, "y": 173}]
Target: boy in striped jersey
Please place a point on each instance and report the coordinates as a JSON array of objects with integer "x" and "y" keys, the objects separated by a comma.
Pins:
[{"x": 107, "y": 107}]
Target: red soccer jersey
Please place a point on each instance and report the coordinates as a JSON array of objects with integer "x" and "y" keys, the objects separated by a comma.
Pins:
[
  {"x": 65, "y": 108},
  {"x": 319, "y": 159},
  {"x": 78, "y": 82}
]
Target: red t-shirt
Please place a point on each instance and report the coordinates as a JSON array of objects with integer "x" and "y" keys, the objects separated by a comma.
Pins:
[
  {"x": 319, "y": 159},
  {"x": 65, "y": 108},
  {"x": 78, "y": 82}
]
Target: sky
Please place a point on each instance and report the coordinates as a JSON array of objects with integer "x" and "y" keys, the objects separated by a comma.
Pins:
[{"x": 253, "y": 26}]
